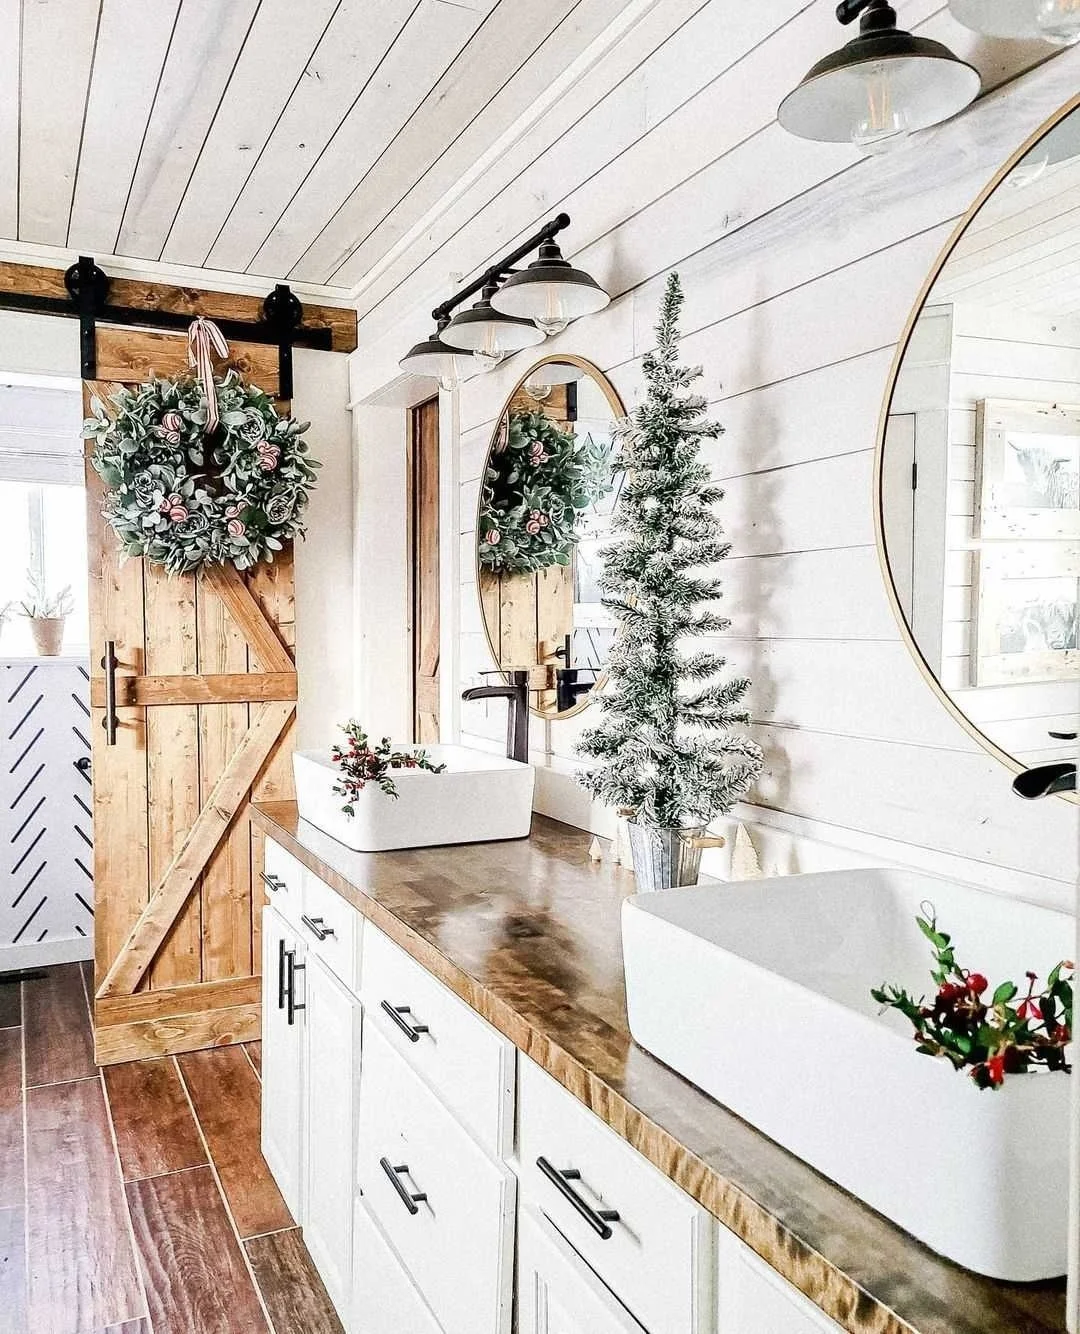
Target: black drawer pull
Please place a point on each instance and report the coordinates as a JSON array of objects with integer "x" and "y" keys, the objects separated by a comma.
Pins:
[
  {"x": 1063, "y": 736},
  {"x": 597, "y": 1219},
  {"x": 317, "y": 926},
  {"x": 395, "y": 1174},
  {"x": 293, "y": 968},
  {"x": 397, "y": 1013},
  {"x": 272, "y": 882}
]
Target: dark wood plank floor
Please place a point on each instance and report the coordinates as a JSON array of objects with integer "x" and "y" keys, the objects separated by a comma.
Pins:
[{"x": 140, "y": 1203}]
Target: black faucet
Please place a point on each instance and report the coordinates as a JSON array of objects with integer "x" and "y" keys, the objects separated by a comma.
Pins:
[
  {"x": 569, "y": 689},
  {"x": 516, "y": 693},
  {"x": 1045, "y": 780}
]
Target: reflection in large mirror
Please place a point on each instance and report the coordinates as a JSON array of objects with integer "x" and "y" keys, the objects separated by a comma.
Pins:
[
  {"x": 980, "y": 462},
  {"x": 546, "y": 500}
]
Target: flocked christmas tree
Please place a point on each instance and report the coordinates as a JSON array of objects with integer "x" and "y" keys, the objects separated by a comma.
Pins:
[{"x": 666, "y": 744}]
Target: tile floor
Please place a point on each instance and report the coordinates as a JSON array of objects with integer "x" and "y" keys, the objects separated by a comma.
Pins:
[{"x": 134, "y": 1199}]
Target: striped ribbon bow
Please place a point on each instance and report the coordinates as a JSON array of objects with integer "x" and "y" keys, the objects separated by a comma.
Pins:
[{"x": 204, "y": 339}]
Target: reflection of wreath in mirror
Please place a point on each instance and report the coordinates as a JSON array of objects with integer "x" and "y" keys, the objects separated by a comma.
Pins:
[
  {"x": 536, "y": 485},
  {"x": 184, "y": 499}
]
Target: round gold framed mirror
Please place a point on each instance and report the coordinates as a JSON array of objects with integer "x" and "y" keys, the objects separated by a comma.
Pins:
[
  {"x": 977, "y": 475},
  {"x": 543, "y": 516}
]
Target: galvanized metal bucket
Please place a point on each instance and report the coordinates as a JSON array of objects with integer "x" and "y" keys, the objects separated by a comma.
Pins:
[{"x": 665, "y": 857}]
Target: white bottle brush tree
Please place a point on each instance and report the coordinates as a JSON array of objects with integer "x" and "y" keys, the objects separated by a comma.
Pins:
[{"x": 666, "y": 742}]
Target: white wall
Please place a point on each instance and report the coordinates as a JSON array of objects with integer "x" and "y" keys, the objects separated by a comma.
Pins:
[
  {"x": 801, "y": 264},
  {"x": 325, "y": 603}
]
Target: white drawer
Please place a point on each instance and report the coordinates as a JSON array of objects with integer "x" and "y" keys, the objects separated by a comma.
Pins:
[
  {"x": 457, "y": 1239},
  {"x": 752, "y": 1298},
  {"x": 384, "y": 1297},
  {"x": 657, "y": 1256},
  {"x": 557, "y": 1292},
  {"x": 468, "y": 1064},
  {"x": 283, "y": 880},
  {"x": 332, "y": 928}
]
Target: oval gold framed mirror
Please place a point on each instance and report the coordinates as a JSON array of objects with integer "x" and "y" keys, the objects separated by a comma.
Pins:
[
  {"x": 977, "y": 473},
  {"x": 544, "y": 511}
]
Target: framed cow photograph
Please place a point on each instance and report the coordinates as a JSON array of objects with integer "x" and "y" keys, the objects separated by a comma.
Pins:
[
  {"x": 1027, "y": 482},
  {"x": 1026, "y": 627}
]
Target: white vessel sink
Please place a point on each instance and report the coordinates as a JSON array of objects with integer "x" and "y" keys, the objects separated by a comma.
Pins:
[
  {"x": 759, "y": 993},
  {"x": 479, "y": 798}
]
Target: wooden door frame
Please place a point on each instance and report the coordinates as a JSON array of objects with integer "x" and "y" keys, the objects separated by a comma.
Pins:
[{"x": 411, "y": 536}]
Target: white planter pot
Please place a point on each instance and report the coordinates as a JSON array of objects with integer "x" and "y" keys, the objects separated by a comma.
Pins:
[{"x": 48, "y": 633}]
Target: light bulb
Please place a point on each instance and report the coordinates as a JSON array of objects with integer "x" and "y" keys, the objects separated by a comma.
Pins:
[
  {"x": 488, "y": 358},
  {"x": 884, "y": 125},
  {"x": 491, "y": 352},
  {"x": 551, "y": 326},
  {"x": 448, "y": 382},
  {"x": 554, "y": 319},
  {"x": 537, "y": 389},
  {"x": 1058, "y": 21}
]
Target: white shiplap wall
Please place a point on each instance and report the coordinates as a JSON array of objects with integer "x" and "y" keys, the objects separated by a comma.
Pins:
[{"x": 801, "y": 264}]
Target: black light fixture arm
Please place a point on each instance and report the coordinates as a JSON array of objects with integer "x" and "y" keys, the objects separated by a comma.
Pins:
[
  {"x": 879, "y": 13},
  {"x": 441, "y": 314}
]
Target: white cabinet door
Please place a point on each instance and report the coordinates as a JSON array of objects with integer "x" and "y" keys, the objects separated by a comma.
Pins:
[
  {"x": 384, "y": 1297},
  {"x": 444, "y": 1205},
  {"x": 332, "y": 1024},
  {"x": 752, "y": 1298},
  {"x": 557, "y": 1293},
  {"x": 282, "y": 1057}
]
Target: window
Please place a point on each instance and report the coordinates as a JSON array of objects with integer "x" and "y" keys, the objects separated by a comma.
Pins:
[
  {"x": 42, "y": 508},
  {"x": 43, "y": 531}
]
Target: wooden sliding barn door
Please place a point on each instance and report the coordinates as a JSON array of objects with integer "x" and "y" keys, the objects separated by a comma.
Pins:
[{"x": 206, "y": 693}]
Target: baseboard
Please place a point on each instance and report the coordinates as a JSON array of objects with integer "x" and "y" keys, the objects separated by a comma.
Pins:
[{"x": 42, "y": 953}]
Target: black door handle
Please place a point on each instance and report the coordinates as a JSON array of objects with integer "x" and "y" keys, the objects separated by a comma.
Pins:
[
  {"x": 291, "y": 969},
  {"x": 110, "y": 722},
  {"x": 281, "y": 988},
  {"x": 83, "y": 764},
  {"x": 597, "y": 1219}
]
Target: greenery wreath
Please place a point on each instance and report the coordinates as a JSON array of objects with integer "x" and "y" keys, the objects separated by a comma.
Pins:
[
  {"x": 184, "y": 499},
  {"x": 537, "y": 483}
]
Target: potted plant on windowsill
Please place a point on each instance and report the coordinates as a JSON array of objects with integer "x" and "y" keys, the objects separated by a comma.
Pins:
[
  {"x": 47, "y": 614},
  {"x": 667, "y": 745}
]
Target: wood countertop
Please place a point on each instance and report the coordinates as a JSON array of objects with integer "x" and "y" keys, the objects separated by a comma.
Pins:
[{"x": 528, "y": 933}]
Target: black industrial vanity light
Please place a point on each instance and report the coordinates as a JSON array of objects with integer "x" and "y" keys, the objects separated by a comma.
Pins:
[
  {"x": 879, "y": 88},
  {"x": 487, "y": 333},
  {"x": 448, "y": 365},
  {"x": 550, "y": 292},
  {"x": 515, "y": 310}
]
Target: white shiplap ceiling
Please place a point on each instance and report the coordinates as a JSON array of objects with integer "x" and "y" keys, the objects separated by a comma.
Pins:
[{"x": 269, "y": 138}]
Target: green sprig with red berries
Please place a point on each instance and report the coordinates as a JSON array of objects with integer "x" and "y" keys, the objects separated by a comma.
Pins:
[
  {"x": 989, "y": 1037},
  {"x": 362, "y": 763}
]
